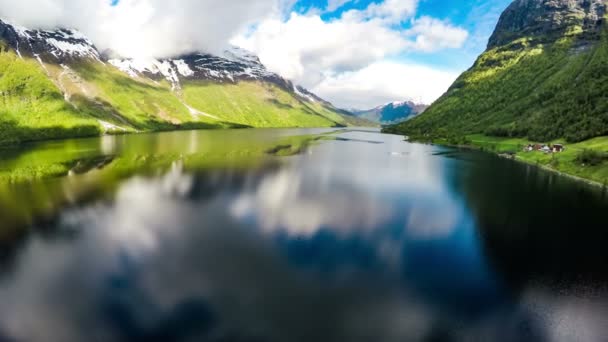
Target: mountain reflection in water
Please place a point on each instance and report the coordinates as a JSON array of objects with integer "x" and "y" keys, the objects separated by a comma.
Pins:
[{"x": 348, "y": 241}]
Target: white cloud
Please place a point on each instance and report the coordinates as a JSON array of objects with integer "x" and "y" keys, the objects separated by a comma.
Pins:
[
  {"x": 145, "y": 28},
  {"x": 433, "y": 34},
  {"x": 383, "y": 82},
  {"x": 303, "y": 47},
  {"x": 333, "y": 5},
  {"x": 388, "y": 11},
  {"x": 327, "y": 56}
]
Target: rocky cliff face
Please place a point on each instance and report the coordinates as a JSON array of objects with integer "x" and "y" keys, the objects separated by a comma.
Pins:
[
  {"x": 548, "y": 19},
  {"x": 53, "y": 46},
  {"x": 235, "y": 65}
]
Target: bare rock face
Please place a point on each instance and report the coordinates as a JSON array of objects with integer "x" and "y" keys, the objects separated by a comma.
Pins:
[
  {"x": 546, "y": 20},
  {"x": 54, "y": 46}
]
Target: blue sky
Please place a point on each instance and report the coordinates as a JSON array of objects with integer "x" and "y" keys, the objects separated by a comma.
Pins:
[
  {"x": 478, "y": 17},
  {"x": 354, "y": 53},
  {"x": 363, "y": 53}
]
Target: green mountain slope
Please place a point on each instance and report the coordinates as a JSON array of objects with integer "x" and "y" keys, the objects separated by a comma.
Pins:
[
  {"x": 543, "y": 77},
  {"x": 47, "y": 93},
  {"x": 32, "y": 107}
]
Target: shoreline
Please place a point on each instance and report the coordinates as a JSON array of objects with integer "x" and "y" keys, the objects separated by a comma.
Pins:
[
  {"x": 600, "y": 186},
  {"x": 24, "y": 143}
]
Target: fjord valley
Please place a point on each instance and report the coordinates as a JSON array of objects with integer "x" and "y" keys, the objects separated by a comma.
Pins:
[
  {"x": 57, "y": 84},
  {"x": 392, "y": 113},
  {"x": 542, "y": 79},
  {"x": 211, "y": 170}
]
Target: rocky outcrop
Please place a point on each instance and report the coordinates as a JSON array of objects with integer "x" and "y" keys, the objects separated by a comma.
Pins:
[
  {"x": 545, "y": 20},
  {"x": 53, "y": 46}
]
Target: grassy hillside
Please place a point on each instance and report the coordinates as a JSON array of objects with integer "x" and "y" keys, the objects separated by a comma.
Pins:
[
  {"x": 526, "y": 89},
  {"x": 587, "y": 159},
  {"x": 33, "y": 108},
  {"x": 533, "y": 89},
  {"x": 257, "y": 104},
  {"x": 48, "y": 101}
]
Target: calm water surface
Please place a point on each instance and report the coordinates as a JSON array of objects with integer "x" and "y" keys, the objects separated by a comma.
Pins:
[{"x": 197, "y": 236}]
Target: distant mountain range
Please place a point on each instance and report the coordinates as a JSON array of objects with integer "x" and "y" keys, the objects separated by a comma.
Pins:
[
  {"x": 56, "y": 83},
  {"x": 544, "y": 76},
  {"x": 392, "y": 113}
]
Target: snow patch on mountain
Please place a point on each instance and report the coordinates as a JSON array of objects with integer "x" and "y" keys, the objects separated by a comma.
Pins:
[
  {"x": 392, "y": 112},
  {"x": 236, "y": 64},
  {"x": 302, "y": 94},
  {"x": 183, "y": 68},
  {"x": 66, "y": 46},
  {"x": 59, "y": 44}
]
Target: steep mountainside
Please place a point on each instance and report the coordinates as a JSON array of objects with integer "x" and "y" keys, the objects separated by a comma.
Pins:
[
  {"x": 392, "y": 113},
  {"x": 56, "y": 84},
  {"x": 544, "y": 76}
]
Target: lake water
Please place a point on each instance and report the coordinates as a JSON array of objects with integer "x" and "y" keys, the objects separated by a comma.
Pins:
[{"x": 294, "y": 235}]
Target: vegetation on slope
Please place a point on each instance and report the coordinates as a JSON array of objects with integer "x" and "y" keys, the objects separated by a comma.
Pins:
[
  {"x": 526, "y": 89},
  {"x": 539, "y": 89},
  {"x": 138, "y": 104},
  {"x": 48, "y": 101},
  {"x": 32, "y": 108},
  {"x": 587, "y": 159},
  {"x": 257, "y": 104}
]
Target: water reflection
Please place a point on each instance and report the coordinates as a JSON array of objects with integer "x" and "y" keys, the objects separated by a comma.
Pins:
[{"x": 350, "y": 241}]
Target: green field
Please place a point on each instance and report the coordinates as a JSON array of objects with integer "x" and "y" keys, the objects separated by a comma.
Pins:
[{"x": 567, "y": 162}]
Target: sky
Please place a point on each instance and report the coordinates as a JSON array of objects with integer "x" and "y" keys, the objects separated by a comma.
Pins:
[{"x": 357, "y": 54}]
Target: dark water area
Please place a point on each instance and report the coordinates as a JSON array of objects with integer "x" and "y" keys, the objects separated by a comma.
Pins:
[{"x": 359, "y": 236}]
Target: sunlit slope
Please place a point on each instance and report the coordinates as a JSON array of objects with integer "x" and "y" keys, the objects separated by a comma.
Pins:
[
  {"x": 48, "y": 101},
  {"x": 526, "y": 89},
  {"x": 33, "y": 108},
  {"x": 257, "y": 104}
]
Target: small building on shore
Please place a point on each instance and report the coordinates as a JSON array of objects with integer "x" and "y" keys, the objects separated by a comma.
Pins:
[{"x": 557, "y": 148}]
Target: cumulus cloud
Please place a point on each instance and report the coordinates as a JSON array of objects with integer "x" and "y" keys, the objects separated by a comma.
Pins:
[
  {"x": 304, "y": 47},
  {"x": 327, "y": 56},
  {"x": 318, "y": 53},
  {"x": 145, "y": 28},
  {"x": 433, "y": 34},
  {"x": 383, "y": 82},
  {"x": 388, "y": 11}
]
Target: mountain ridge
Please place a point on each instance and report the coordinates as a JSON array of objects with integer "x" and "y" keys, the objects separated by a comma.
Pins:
[
  {"x": 544, "y": 76},
  {"x": 392, "y": 112},
  {"x": 87, "y": 92}
]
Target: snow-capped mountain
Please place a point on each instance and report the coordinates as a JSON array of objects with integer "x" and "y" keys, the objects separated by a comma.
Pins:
[
  {"x": 61, "y": 85},
  {"x": 393, "y": 112},
  {"x": 64, "y": 46},
  {"x": 235, "y": 64},
  {"x": 58, "y": 46}
]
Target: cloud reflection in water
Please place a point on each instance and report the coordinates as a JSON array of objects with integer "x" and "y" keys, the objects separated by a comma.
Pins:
[{"x": 353, "y": 242}]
